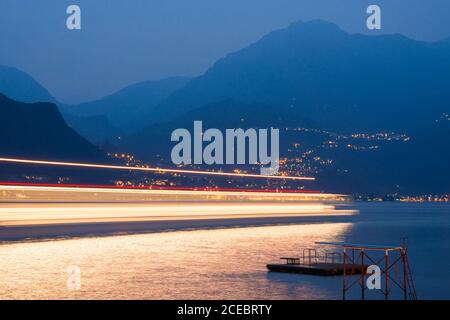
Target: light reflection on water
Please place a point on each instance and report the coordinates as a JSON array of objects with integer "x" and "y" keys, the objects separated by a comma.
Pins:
[{"x": 201, "y": 264}]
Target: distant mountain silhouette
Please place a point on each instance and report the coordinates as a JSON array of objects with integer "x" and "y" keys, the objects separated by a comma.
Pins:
[
  {"x": 20, "y": 86},
  {"x": 343, "y": 81},
  {"x": 37, "y": 130},
  {"x": 129, "y": 108}
]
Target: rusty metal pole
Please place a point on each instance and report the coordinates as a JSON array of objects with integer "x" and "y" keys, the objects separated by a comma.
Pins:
[
  {"x": 362, "y": 274},
  {"x": 405, "y": 290},
  {"x": 386, "y": 292},
  {"x": 353, "y": 261},
  {"x": 343, "y": 277}
]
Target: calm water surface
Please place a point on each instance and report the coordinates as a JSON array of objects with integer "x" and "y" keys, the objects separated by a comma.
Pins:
[{"x": 225, "y": 263}]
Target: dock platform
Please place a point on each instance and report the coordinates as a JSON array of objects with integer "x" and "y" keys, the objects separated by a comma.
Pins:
[{"x": 320, "y": 268}]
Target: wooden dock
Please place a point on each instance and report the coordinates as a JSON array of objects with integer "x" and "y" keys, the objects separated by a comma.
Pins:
[{"x": 320, "y": 269}]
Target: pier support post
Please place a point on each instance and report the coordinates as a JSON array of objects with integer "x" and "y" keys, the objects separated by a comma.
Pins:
[
  {"x": 343, "y": 277},
  {"x": 386, "y": 290},
  {"x": 363, "y": 284},
  {"x": 405, "y": 289}
]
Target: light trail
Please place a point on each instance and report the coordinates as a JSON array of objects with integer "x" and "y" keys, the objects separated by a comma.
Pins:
[
  {"x": 148, "y": 169},
  {"x": 60, "y": 214},
  {"x": 55, "y": 193}
]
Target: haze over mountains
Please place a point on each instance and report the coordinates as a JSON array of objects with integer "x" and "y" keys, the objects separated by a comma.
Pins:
[
  {"x": 345, "y": 81},
  {"x": 310, "y": 75},
  {"x": 124, "y": 111},
  {"x": 130, "y": 106}
]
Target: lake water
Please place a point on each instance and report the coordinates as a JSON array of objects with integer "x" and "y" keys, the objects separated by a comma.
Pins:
[{"x": 224, "y": 263}]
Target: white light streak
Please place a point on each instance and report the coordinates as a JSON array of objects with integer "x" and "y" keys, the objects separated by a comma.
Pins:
[{"x": 148, "y": 169}]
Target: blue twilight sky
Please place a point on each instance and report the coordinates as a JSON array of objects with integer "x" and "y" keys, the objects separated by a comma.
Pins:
[{"x": 126, "y": 41}]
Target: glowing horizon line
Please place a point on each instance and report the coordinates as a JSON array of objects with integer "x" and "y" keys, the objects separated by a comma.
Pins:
[{"x": 149, "y": 169}]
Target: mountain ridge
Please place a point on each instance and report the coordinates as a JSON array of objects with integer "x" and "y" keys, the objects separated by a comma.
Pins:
[
  {"x": 325, "y": 72},
  {"x": 20, "y": 86}
]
